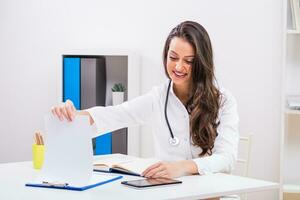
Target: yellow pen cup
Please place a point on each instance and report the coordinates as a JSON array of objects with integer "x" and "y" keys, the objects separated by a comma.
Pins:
[{"x": 38, "y": 154}]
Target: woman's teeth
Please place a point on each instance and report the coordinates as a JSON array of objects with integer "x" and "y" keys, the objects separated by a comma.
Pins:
[{"x": 179, "y": 74}]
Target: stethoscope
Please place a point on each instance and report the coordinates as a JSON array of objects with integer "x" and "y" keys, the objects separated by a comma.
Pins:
[{"x": 173, "y": 140}]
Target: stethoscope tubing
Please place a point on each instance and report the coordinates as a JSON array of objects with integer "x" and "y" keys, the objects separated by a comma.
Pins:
[
  {"x": 174, "y": 141},
  {"x": 166, "y": 110}
]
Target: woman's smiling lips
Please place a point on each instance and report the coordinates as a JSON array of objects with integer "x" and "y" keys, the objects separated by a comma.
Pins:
[{"x": 179, "y": 74}]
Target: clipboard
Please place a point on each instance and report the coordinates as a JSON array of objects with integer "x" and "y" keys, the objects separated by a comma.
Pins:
[{"x": 66, "y": 186}]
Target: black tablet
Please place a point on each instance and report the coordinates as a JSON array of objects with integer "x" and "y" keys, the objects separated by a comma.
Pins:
[{"x": 150, "y": 182}]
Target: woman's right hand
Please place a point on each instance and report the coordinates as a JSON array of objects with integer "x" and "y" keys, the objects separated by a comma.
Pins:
[{"x": 65, "y": 111}]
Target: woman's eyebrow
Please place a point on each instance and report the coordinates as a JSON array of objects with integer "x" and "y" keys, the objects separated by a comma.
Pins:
[
  {"x": 173, "y": 52},
  {"x": 191, "y": 56}
]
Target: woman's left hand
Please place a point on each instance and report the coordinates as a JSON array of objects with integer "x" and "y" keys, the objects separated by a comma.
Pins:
[
  {"x": 170, "y": 169},
  {"x": 163, "y": 169}
]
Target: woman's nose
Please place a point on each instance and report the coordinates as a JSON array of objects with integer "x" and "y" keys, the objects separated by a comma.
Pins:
[{"x": 179, "y": 65}]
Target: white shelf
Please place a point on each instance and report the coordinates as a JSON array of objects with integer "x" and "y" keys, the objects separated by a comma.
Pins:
[
  {"x": 289, "y": 151},
  {"x": 290, "y": 188},
  {"x": 291, "y": 31},
  {"x": 294, "y": 112}
]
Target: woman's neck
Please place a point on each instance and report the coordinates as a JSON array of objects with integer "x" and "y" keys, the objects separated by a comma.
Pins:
[{"x": 182, "y": 92}]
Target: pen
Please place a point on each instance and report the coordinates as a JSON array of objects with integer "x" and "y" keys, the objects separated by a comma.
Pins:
[
  {"x": 41, "y": 139},
  {"x": 55, "y": 184},
  {"x": 37, "y": 139}
]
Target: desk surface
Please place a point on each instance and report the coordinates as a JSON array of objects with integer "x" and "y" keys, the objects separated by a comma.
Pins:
[{"x": 13, "y": 177}]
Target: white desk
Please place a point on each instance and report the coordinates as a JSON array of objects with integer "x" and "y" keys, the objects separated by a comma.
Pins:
[{"x": 13, "y": 177}]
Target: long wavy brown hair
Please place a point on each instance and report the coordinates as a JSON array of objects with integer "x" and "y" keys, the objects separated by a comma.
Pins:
[{"x": 204, "y": 100}]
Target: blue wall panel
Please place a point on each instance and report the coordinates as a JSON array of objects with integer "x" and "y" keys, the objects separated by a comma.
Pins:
[
  {"x": 71, "y": 81},
  {"x": 103, "y": 144}
]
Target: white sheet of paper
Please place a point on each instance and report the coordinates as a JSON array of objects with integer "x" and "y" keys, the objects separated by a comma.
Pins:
[{"x": 68, "y": 151}]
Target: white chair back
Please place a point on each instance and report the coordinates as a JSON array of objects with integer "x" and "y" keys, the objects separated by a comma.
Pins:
[{"x": 243, "y": 160}]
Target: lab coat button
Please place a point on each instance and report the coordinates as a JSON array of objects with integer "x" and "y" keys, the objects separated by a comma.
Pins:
[{"x": 185, "y": 139}]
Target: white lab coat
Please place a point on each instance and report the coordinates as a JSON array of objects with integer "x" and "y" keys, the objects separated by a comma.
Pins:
[{"x": 149, "y": 109}]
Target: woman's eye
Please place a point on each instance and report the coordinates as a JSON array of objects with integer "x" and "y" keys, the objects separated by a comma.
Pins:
[
  {"x": 172, "y": 58},
  {"x": 189, "y": 61}
]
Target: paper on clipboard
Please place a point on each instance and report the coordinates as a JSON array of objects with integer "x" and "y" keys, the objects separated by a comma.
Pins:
[{"x": 69, "y": 154}]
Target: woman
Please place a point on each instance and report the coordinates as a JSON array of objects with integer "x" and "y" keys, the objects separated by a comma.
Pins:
[{"x": 200, "y": 133}]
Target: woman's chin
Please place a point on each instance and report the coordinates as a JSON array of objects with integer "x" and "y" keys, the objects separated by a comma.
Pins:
[{"x": 179, "y": 81}]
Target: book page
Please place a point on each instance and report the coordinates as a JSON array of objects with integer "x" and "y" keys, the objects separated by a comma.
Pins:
[
  {"x": 129, "y": 163},
  {"x": 113, "y": 159}
]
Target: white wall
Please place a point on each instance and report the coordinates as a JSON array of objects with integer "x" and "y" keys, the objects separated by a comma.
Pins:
[{"x": 246, "y": 37}]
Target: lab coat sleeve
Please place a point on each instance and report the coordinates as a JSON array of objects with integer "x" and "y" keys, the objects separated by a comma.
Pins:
[
  {"x": 224, "y": 153},
  {"x": 135, "y": 112}
]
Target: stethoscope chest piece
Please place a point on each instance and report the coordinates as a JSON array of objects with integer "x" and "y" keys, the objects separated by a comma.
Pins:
[{"x": 174, "y": 141}]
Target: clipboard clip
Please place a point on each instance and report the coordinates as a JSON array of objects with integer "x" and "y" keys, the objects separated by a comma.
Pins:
[{"x": 55, "y": 184}]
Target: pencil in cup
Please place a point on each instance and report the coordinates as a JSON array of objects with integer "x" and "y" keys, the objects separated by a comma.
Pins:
[{"x": 38, "y": 151}]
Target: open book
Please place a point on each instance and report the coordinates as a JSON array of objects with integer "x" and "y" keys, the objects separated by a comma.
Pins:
[{"x": 120, "y": 163}]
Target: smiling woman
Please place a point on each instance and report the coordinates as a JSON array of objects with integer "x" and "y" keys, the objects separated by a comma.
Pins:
[
  {"x": 201, "y": 116},
  {"x": 188, "y": 61}
]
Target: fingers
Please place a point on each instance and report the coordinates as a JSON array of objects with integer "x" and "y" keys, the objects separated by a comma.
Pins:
[
  {"x": 71, "y": 105},
  {"x": 70, "y": 110},
  {"x": 161, "y": 174},
  {"x": 150, "y": 168},
  {"x": 157, "y": 171},
  {"x": 56, "y": 111},
  {"x": 65, "y": 111}
]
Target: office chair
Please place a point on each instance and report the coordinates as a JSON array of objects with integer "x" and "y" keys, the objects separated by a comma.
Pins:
[
  {"x": 242, "y": 164},
  {"x": 243, "y": 160}
]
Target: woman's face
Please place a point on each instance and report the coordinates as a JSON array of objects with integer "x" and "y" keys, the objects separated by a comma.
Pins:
[{"x": 179, "y": 62}]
